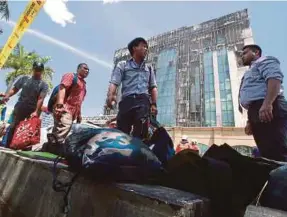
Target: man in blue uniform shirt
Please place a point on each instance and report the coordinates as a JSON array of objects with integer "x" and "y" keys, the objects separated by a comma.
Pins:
[
  {"x": 139, "y": 90},
  {"x": 261, "y": 93}
]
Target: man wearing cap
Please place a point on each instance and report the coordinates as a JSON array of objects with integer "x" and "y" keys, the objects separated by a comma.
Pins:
[
  {"x": 261, "y": 94},
  {"x": 29, "y": 104}
]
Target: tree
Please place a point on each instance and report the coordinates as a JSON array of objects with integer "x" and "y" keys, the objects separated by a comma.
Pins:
[
  {"x": 4, "y": 11},
  {"x": 21, "y": 62}
]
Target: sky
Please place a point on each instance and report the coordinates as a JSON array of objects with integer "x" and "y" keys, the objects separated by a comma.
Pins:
[{"x": 91, "y": 31}]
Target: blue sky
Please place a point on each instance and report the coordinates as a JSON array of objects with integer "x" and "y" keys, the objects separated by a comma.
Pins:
[{"x": 102, "y": 28}]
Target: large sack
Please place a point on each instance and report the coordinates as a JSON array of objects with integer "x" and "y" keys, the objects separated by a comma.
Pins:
[
  {"x": 275, "y": 195},
  {"x": 109, "y": 154}
]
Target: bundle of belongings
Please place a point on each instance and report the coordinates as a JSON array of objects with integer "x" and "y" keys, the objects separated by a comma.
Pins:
[{"x": 230, "y": 180}]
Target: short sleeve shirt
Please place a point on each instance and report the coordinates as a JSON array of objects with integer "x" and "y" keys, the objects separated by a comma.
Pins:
[
  {"x": 134, "y": 78},
  {"x": 75, "y": 93},
  {"x": 32, "y": 89}
]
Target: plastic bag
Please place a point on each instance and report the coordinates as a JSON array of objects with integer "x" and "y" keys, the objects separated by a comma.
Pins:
[{"x": 27, "y": 133}]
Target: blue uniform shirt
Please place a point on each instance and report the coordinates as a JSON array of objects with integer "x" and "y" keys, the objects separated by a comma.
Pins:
[
  {"x": 254, "y": 81},
  {"x": 135, "y": 78}
]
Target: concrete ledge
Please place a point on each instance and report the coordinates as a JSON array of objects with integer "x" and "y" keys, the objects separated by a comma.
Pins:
[
  {"x": 26, "y": 191},
  {"x": 259, "y": 211}
]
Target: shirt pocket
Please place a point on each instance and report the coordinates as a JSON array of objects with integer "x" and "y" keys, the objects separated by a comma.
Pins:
[
  {"x": 251, "y": 76},
  {"x": 145, "y": 76},
  {"x": 255, "y": 73}
]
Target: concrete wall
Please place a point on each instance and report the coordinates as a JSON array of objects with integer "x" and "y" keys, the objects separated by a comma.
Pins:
[
  {"x": 212, "y": 135},
  {"x": 26, "y": 191}
]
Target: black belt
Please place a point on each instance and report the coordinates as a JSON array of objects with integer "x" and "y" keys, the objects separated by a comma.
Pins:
[{"x": 137, "y": 96}]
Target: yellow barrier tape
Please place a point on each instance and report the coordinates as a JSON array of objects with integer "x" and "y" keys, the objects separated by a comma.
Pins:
[{"x": 25, "y": 20}]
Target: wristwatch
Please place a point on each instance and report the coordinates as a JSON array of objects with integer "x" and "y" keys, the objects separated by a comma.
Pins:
[{"x": 154, "y": 104}]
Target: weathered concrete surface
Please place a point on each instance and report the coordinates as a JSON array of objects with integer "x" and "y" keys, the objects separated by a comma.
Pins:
[
  {"x": 26, "y": 191},
  {"x": 253, "y": 211}
]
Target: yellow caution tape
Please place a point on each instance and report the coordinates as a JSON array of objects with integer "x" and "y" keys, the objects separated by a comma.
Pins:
[{"x": 24, "y": 22}]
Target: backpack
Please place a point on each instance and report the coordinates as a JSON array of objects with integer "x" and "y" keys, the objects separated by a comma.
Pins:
[{"x": 53, "y": 96}]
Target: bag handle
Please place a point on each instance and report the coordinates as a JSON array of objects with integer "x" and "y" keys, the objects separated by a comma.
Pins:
[{"x": 257, "y": 199}]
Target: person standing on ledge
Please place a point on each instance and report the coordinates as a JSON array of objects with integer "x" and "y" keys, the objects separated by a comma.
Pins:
[
  {"x": 139, "y": 90},
  {"x": 261, "y": 93},
  {"x": 33, "y": 92}
]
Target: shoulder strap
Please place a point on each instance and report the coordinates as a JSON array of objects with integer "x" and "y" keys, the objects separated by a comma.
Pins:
[
  {"x": 124, "y": 70},
  {"x": 75, "y": 79}
]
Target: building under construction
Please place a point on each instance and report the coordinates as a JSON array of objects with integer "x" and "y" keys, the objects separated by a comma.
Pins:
[{"x": 198, "y": 71}]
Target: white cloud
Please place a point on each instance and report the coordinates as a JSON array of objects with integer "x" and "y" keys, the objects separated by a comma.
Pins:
[
  {"x": 65, "y": 46},
  {"x": 58, "y": 11},
  {"x": 110, "y": 1}
]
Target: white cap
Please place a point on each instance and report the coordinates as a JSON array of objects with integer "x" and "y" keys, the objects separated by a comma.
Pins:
[{"x": 184, "y": 137}]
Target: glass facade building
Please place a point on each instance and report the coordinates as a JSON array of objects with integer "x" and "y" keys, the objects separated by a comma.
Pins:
[
  {"x": 166, "y": 80},
  {"x": 198, "y": 71},
  {"x": 227, "y": 111},
  {"x": 209, "y": 92}
]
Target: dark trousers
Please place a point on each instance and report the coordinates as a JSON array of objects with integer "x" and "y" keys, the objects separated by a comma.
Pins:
[
  {"x": 19, "y": 114},
  {"x": 270, "y": 138},
  {"x": 133, "y": 115}
]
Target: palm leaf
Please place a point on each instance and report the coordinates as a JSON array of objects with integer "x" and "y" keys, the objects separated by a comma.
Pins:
[
  {"x": 22, "y": 61},
  {"x": 4, "y": 9}
]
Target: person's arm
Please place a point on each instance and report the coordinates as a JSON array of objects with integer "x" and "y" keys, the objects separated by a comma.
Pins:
[
  {"x": 153, "y": 92},
  {"x": 271, "y": 72},
  {"x": 17, "y": 86},
  {"x": 112, "y": 94},
  {"x": 12, "y": 92},
  {"x": 42, "y": 95},
  {"x": 154, "y": 95},
  {"x": 79, "y": 118},
  {"x": 66, "y": 83},
  {"x": 39, "y": 106},
  {"x": 115, "y": 81},
  {"x": 273, "y": 88}
]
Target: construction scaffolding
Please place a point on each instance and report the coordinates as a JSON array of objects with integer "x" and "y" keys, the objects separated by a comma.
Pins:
[{"x": 183, "y": 51}]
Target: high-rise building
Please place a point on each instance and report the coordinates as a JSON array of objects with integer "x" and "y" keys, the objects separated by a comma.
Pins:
[{"x": 198, "y": 71}]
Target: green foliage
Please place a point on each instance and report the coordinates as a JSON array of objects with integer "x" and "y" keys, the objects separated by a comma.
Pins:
[
  {"x": 4, "y": 9},
  {"x": 21, "y": 61}
]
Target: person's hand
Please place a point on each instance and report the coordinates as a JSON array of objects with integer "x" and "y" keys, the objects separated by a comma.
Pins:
[
  {"x": 265, "y": 113},
  {"x": 108, "y": 122},
  {"x": 248, "y": 130},
  {"x": 79, "y": 119},
  {"x": 35, "y": 114},
  {"x": 58, "y": 111},
  {"x": 4, "y": 100},
  {"x": 153, "y": 110},
  {"x": 111, "y": 102}
]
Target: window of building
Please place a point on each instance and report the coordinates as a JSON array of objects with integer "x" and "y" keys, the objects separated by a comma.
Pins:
[
  {"x": 209, "y": 93},
  {"x": 227, "y": 111},
  {"x": 166, "y": 81}
]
